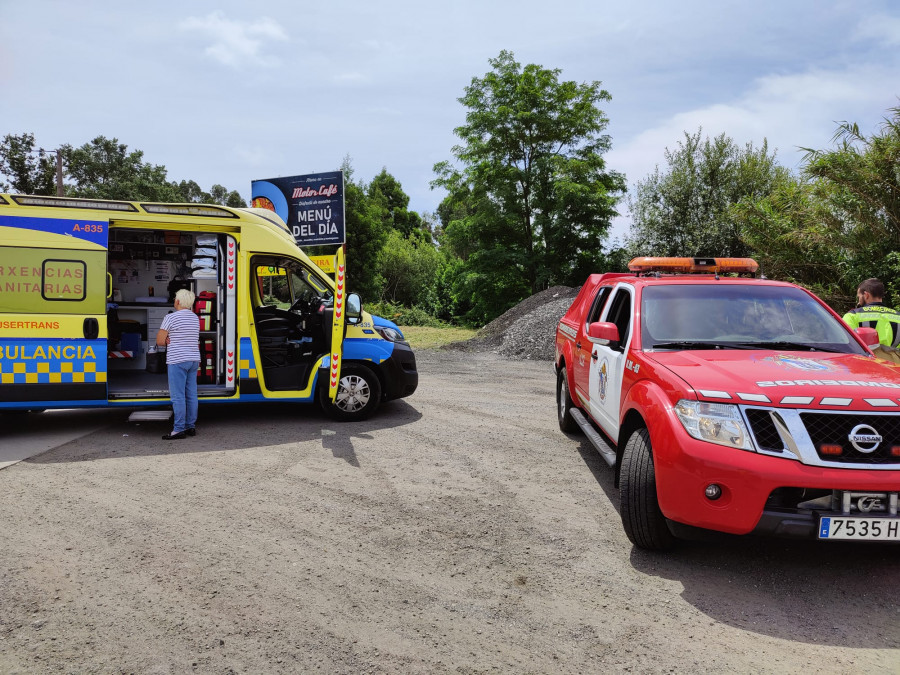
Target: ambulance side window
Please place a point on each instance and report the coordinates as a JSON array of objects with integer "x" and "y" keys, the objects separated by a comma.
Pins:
[
  {"x": 52, "y": 281},
  {"x": 599, "y": 302},
  {"x": 620, "y": 314}
]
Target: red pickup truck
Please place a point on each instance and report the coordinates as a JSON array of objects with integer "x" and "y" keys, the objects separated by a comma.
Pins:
[{"x": 731, "y": 403}]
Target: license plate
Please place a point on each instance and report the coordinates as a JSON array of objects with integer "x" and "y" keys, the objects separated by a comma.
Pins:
[{"x": 859, "y": 529}]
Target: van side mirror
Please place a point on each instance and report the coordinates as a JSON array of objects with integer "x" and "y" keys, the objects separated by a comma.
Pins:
[
  {"x": 604, "y": 333},
  {"x": 869, "y": 336},
  {"x": 354, "y": 308}
]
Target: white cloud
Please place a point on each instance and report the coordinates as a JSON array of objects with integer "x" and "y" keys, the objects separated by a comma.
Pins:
[
  {"x": 884, "y": 29},
  {"x": 235, "y": 43},
  {"x": 788, "y": 111}
]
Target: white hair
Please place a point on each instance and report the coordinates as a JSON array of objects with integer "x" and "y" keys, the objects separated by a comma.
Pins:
[{"x": 185, "y": 297}]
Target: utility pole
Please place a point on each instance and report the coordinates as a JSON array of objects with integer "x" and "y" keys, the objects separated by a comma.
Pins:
[
  {"x": 59, "y": 168},
  {"x": 59, "y": 174}
]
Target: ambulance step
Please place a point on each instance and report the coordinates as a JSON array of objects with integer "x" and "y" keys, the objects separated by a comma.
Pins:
[
  {"x": 595, "y": 437},
  {"x": 150, "y": 416}
]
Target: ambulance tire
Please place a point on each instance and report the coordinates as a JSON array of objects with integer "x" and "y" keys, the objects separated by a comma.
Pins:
[
  {"x": 564, "y": 403},
  {"x": 358, "y": 396},
  {"x": 642, "y": 518}
]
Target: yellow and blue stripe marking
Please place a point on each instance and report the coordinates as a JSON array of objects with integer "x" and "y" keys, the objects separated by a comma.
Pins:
[{"x": 41, "y": 361}]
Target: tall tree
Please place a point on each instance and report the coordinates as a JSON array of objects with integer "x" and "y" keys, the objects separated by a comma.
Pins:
[
  {"x": 684, "y": 210},
  {"x": 387, "y": 192},
  {"x": 532, "y": 166},
  {"x": 104, "y": 169},
  {"x": 366, "y": 235},
  {"x": 839, "y": 223},
  {"x": 29, "y": 170}
]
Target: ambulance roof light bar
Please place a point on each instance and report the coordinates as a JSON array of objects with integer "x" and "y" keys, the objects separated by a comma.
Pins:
[
  {"x": 649, "y": 265},
  {"x": 188, "y": 210}
]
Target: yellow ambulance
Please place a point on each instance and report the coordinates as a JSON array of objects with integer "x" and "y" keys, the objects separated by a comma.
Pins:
[{"x": 85, "y": 284}]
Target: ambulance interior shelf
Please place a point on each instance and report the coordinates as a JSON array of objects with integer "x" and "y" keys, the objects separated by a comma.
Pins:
[{"x": 147, "y": 283}]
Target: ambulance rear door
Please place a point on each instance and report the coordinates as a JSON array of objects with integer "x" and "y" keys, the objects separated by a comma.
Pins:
[{"x": 53, "y": 328}]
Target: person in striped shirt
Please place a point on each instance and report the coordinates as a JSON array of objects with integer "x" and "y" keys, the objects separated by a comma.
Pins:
[{"x": 180, "y": 334}]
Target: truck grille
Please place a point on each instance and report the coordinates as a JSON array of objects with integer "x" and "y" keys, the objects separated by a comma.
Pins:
[
  {"x": 764, "y": 430},
  {"x": 835, "y": 430}
]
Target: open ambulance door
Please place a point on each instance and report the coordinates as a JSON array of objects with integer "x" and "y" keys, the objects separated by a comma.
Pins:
[{"x": 53, "y": 328}]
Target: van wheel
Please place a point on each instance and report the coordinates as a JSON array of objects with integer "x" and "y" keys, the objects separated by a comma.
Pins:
[
  {"x": 642, "y": 519},
  {"x": 564, "y": 404},
  {"x": 358, "y": 395}
]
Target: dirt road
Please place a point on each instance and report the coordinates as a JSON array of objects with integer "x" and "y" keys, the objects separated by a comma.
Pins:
[{"x": 457, "y": 531}]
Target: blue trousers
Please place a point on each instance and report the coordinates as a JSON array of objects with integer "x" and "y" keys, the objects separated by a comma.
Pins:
[{"x": 183, "y": 391}]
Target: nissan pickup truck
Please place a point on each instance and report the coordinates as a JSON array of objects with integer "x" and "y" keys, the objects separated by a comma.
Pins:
[{"x": 731, "y": 403}]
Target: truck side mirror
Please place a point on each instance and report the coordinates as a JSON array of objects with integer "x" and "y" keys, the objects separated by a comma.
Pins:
[
  {"x": 869, "y": 336},
  {"x": 604, "y": 333},
  {"x": 354, "y": 309}
]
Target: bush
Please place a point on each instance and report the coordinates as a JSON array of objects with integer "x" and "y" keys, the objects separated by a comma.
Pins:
[{"x": 403, "y": 316}]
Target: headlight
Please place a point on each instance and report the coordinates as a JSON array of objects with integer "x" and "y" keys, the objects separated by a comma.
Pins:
[
  {"x": 390, "y": 334},
  {"x": 714, "y": 422}
]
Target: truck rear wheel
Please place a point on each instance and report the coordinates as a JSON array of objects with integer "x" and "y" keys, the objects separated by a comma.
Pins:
[
  {"x": 564, "y": 403},
  {"x": 642, "y": 519},
  {"x": 358, "y": 395}
]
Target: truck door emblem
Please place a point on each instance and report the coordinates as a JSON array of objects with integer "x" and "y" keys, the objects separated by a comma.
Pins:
[
  {"x": 864, "y": 438},
  {"x": 603, "y": 371}
]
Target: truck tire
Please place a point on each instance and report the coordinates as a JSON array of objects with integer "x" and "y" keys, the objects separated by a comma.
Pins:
[
  {"x": 358, "y": 395},
  {"x": 642, "y": 519},
  {"x": 564, "y": 404}
]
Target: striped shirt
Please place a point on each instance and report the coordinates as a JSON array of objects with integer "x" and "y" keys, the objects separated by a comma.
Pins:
[{"x": 183, "y": 328}]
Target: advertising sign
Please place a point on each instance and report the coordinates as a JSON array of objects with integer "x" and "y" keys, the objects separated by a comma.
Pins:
[{"x": 312, "y": 205}]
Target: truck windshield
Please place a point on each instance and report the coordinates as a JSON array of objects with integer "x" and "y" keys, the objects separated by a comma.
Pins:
[{"x": 739, "y": 316}]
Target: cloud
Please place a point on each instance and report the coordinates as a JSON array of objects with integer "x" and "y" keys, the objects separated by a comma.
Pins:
[
  {"x": 789, "y": 111},
  {"x": 880, "y": 28},
  {"x": 235, "y": 43}
]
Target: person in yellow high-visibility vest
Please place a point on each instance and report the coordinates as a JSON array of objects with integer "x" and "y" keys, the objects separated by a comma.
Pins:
[{"x": 871, "y": 312}]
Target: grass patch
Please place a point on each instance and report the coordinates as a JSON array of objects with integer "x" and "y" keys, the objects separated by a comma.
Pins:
[{"x": 428, "y": 337}]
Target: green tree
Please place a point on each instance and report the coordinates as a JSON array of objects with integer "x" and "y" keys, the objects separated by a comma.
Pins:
[
  {"x": 534, "y": 179},
  {"x": 685, "y": 209},
  {"x": 190, "y": 191},
  {"x": 104, "y": 169},
  {"x": 409, "y": 267},
  {"x": 30, "y": 171},
  {"x": 839, "y": 222},
  {"x": 366, "y": 235},
  {"x": 386, "y": 191}
]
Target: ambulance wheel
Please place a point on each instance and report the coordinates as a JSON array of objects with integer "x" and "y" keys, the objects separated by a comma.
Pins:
[
  {"x": 564, "y": 403},
  {"x": 358, "y": 395},
  {"x": 642, "y": 519}
]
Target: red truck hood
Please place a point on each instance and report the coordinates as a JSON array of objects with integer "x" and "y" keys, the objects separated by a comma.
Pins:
[{"x": 790, "y": 378}]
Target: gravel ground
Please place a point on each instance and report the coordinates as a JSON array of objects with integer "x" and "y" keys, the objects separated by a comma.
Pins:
[
  {"x": 527, "y": 331},
  {"x": 458, "y": 531}
]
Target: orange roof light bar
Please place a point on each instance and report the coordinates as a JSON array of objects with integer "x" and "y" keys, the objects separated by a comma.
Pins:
[{"x": 694, "y": 265}]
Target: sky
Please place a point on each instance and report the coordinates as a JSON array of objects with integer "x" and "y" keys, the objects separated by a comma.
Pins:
[{"x": 229, "y": 92}]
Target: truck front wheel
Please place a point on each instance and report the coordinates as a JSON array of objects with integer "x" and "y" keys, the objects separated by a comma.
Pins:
[
  {"x": 358, "y": 395},
  {"x": 564, "y": 403},
  {"x": 642, "y": 519}
]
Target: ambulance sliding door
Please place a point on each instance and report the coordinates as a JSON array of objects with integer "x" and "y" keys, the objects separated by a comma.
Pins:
[{"x": 53, "y": 328}]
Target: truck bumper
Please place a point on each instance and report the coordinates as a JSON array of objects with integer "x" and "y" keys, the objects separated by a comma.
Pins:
[{"x": 752, "y": 486}]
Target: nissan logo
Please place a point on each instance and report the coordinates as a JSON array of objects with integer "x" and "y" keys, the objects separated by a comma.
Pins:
[{"x": 864, "y": 438}]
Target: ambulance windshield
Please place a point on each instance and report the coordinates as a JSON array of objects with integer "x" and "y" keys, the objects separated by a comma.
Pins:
[{"x": 739, "y": 316}]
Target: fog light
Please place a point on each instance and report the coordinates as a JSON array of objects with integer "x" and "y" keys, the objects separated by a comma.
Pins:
[{"x": 713, "y": 491}]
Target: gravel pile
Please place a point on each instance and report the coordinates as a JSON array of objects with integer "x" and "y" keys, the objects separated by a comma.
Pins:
[{"x": 527, "y": 331}]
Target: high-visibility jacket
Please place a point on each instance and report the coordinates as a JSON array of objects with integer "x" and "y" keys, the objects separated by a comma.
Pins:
[{"x": 880, "y": 317}]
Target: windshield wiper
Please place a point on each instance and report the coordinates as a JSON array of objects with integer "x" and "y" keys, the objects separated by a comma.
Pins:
[
  {"x": 685, "y": 344},
  {"x": 795, "y": 346}
]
